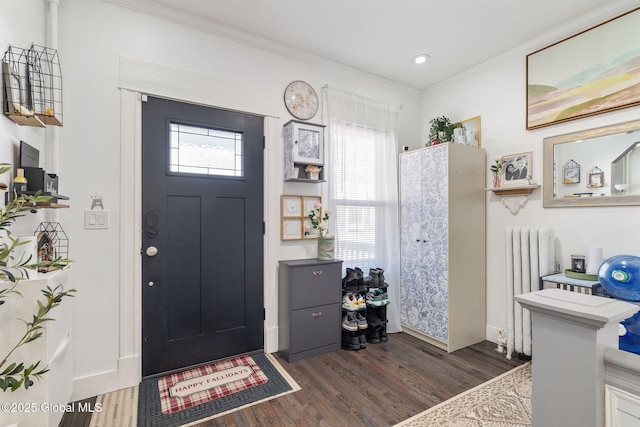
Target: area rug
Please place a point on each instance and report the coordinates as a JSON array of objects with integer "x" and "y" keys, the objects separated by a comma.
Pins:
[
  {"x": 235, "y": 384},
  {"x": 504, "y": 401}
]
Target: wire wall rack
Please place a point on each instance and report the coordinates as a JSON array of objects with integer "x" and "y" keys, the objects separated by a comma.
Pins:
[{"x": 32, "y": 83}]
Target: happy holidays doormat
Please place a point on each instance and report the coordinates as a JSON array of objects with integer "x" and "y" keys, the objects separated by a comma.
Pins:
[{"x": 211, "y": 390}]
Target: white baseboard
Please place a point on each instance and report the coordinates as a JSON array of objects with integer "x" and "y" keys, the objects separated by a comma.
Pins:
[
  {"x": 94, "y": 385},
  {"x": 127, "y": 375},
  {"x": 271, "y": 340},
  {"x": 130, "y": 371}
]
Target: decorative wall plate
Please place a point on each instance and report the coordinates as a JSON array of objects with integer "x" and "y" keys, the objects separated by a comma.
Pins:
[{"x": 301, "y": 100}]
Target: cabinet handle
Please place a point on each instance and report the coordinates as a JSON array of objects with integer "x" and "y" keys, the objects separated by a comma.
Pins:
[
  {"x": 317, "y": 272},
  {"x": 316, "y": 315}
]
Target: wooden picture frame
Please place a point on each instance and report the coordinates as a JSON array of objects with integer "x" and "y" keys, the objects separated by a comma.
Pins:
[
  {"x": 472, "y": 130},
  {"x": 584, "y": 74},
  {"x": 517, "y": 168},
  {"x": 291, "y": 229},
  {"x": 294, "y": 213},
  {"x": 291, "y": 206}
]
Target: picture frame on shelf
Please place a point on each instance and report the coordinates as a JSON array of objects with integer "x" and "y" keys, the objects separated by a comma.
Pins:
[
  {"x": 471, "y": 131},
  {"x": 517, "y": 169},
  {"x": 592, "y": 65}
]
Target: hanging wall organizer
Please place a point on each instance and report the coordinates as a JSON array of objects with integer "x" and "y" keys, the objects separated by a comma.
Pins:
[{"x": 32, "y": 83}]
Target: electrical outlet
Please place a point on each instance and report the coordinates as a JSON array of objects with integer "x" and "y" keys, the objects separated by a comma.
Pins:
[{"x": 96, "y": 219}]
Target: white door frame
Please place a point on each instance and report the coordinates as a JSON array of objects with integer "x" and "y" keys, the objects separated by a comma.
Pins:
[{"x": 138, "y": 78}]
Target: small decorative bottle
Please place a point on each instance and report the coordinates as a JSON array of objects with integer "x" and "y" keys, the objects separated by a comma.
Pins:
[{"x": 20, "y": 182}]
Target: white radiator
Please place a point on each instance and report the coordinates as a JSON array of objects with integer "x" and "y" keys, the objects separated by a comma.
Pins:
[{"x": 529, "y": 256}]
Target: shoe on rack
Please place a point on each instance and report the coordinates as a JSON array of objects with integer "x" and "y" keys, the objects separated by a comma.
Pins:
[
  {"x": 373, "y": 336},
  {"x": 350, "y": 301},
  {"x": 349, "y": 322},
  {"x": 381, "y": 279},
  {"x": 361, "y": 302},
  {"x": 360, "y": 276},
  {"x": 376, "y": 297},
  {"x": 350, "y": 280},
  {"x": 363, "y": 339},
  {"x": 383, "y": 334},
  {"x": 350, "y": 341},
  {"x": 361, "y": 321},
  {"x": 372, "y": 281}
]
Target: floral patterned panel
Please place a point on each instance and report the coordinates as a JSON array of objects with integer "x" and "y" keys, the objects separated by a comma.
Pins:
[{"x": 424, "y": 237}]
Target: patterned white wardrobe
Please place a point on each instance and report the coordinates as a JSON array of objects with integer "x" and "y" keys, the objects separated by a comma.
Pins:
[{"x": 442, "y": 208}]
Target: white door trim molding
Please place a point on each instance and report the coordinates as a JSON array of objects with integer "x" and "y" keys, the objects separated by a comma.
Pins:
[{"x": 138, "y": 78}]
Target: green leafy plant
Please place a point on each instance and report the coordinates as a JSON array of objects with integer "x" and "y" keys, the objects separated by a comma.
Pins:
[
  {"x": 16, "y": 374},
  {"x": 497, "y": 167},
  {"x": 12, "y": 271},
  {"x": 441, "y": 130}
]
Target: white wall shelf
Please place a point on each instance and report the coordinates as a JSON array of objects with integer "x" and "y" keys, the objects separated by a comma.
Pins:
[{"x": 514, "y": 198}]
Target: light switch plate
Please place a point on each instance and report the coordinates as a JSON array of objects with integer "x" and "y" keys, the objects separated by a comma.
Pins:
[{"x": 96, "y": 219}]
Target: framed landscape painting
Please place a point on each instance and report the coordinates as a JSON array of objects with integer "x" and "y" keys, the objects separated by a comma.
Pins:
[{"x": 592, "y": 72}]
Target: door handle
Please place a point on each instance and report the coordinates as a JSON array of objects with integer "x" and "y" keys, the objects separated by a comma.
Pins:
[{"x": 151, "y": 251}]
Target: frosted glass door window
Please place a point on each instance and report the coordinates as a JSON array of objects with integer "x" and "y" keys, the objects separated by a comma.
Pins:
[{"x": 205, "y": 151}]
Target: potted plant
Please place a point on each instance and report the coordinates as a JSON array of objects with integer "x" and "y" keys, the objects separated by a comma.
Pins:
[
  {"x": 14, "y": 374},
  {"x": 319, "y": 221},
  {"x": 441, "y": 130},
  {"x": 496, "y": 168}
]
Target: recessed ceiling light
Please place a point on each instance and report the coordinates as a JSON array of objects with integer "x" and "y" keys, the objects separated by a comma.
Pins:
[{"x": 421, "y": 59}]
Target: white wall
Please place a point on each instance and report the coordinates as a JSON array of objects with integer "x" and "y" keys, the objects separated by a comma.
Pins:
[
  {"x": 21, "y": 24},
  {"x": 96, "y": 39},
  {"x": 95, "y": 35},
  {"x": 496, "y": 91}
]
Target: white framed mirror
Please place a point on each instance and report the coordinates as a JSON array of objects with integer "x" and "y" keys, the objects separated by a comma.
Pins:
[{"x": 613, "y": 152}]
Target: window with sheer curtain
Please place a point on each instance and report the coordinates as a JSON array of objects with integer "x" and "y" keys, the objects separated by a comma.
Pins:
[{"x": 363, "y": 195}]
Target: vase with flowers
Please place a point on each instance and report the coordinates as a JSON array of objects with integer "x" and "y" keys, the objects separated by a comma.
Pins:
[
  {"x": 496, "y": 168},
  {"x": 318, "y": 220}
]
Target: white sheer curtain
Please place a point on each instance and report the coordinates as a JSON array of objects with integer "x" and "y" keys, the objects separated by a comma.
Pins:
[{"x": 362, "y": 148}]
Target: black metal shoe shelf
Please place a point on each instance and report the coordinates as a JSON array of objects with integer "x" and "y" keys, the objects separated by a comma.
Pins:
[{"x": 365, "y": 322}]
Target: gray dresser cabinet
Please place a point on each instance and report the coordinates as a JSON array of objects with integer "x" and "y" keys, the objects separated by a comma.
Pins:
[{"x": 309, "y": 307}]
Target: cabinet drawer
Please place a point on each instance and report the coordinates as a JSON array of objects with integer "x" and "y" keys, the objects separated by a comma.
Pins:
[
  {"x": 315, "y": 327},
  {"x": 315, "y": 285}
]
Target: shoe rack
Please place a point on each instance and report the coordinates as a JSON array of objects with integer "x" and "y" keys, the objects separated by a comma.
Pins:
[{"x": 364, "y": 308}]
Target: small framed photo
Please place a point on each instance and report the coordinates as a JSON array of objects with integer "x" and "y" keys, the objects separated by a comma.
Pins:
[
  {"x": 596, "y": 179},
  {"x": 291, "y": 206},
  {"x": 309, "y": 203},
  {"x": 517, "y": 169},
  {"x": 291, "y": 229},
  {"x": 571, "y": 172},
  {"x": 571, "y": 175}
]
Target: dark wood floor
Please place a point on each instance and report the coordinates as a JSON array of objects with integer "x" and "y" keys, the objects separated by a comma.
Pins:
[{"x": 378, "y": 386}]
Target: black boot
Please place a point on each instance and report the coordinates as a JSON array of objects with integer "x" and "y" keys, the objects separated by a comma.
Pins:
[
  {"x": 360, "y": 276},
  {"x": 381, "y": 279},
  {"x": 373, "y": 281},
  {"x": 373, "y": 335},
  {"x": 350, "y": 341},
  {"x": 350, "y": 280}
]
